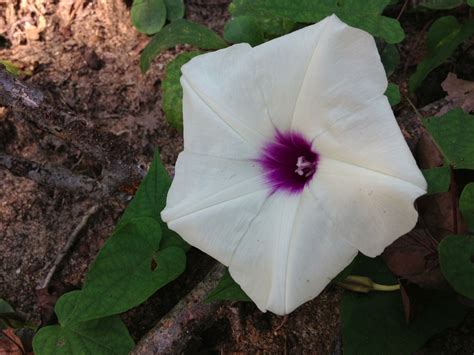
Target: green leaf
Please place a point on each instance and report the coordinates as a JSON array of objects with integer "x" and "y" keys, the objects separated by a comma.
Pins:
[
  {"x": 453, "y": 134},
  {"x": 172, "y": 90},
  {"x": 366, "y": 15},
  {"x": 227, "y": 290},
  {"x": 244, "y": 29},
  {"x": 438, "y": 179},
  {"x": 440, "y": 4},
  {"x": 174, "y": 9},
  {"x": 128, "y": 270},
  {"x": 390, "y": 58},
  {"x": 466, "y": 205},
  {"x": 179, "y": 32},
  {"x": 305, "y": 11},
  {"x": 148, "y": 16},
  {"x": 362, "y": 14},
  {"x": 150, "y": 200},
  {"x": 99, "y": 337},
  {"x": 393, "y": 94},
  {"x": 444, "y": 36},
  {"x": 273, "y": 26},
  {"x": 456, "y": 258},
  {"x": 374, "y": 323},
  {"x": 470, "y": 3}
]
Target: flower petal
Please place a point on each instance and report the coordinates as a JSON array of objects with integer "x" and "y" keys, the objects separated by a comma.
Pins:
[
  {"x": 280, "y": 69},
  {"x": 225, "y": 81},
  {"x": 200, "y": 179},
  {"x": 367, "y": 208},
  {"x": 344, "y": 75},
  {"x": 206, "y": 133},
  {"x": 371, "y": 139},
  {"x": 212, "y": 201},
  {"x": 289, "y": 254},
  {"x": 255, "y": 90}
]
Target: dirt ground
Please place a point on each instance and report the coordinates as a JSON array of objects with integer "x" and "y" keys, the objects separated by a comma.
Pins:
[{"x": 86, "y": 53}]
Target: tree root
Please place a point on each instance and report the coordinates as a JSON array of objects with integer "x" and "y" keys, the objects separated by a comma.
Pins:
[{"x": 189, "y": 317}]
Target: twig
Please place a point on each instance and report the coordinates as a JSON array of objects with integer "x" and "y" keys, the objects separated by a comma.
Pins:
[
  {"x": 69, "y": 243},
  {"x": 56, "y": 177},
  {"x": 191, "y": 315},
  {"x": 402, "y": 10},
  {"x": 410, "y": 122},
  {"x": 121, "y": 164}
]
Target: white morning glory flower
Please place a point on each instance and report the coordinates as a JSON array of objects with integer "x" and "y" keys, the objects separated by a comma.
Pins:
[{"x": 292, "y": 162}]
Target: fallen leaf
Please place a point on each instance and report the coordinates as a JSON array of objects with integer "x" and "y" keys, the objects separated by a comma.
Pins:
[
  {"x": 414, "y": 257},
  {"x": 461, "y": 92},
  {"x": 427, "y": 153},
  {"x": 10, "y": 344},
  {"x": 437, "y": 215}
]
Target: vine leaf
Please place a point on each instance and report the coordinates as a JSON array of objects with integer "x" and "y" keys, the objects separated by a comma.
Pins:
[
  {"x": 244, "y": 29},
  {"x": 393, "y": 94},
  {"x": 149, "y": 201},
  {"x": 374, "y": 323},
  {"x": 366, "y": 15},
  {"x": 453, "y": 134},
  {"x": 105, "y": 336},
  {"x": 148, "y": 16},
  {"x": 227, "y": 290},
  {"x": 129, "y": 268},
  {"x": 179, "y": 32},
  {"x": 174, "y": 9},
  {"x": 444, "y": 36},
  {"x": 466, "y": 204},
  {"x": 456, "y": 253},
  {"x": 172, "y": 90},
  {"x": 438, "y": 179}
]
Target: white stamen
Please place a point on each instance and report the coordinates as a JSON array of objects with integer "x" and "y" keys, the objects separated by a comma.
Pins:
[{"x": 304, "y": 167}]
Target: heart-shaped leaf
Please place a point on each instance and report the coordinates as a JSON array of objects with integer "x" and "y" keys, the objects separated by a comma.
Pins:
[
  {"x": 393, "y": 94},
  {"x": 438, "y": 179},
  {"x": 174, "y": 9},
  {"x": 180, "y": 32},
  {"x": 374, "y": 323},
  {"x": 172, "y": 90},
  {"x": 148, "y": 16},
  {"x": 244, "y": 29},
  {"x": 366, "y": 15},
  {"x": 453, "y": 134},
  {"x": 444, "y": 36},
  {"x": 149, "y": 201},
  {"x": 227, "y": 290},
  {"x": 456, "y": 257},
  {"x": 466, "y": 204},
  {"x": 105, "y": 336},
  {"x": 129, "y": 268}
]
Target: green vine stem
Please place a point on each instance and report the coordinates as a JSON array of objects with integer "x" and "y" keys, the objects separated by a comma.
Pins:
[{"x": 363, "y": 284}]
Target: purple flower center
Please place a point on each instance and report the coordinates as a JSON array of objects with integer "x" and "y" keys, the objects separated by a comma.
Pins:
[{"x": 289, "y": 162}]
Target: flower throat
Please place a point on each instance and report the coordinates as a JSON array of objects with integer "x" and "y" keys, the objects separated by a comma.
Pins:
[{"x": 289, "y": 162}]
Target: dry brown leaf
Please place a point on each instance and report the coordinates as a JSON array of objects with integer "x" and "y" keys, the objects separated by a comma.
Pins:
[
  {"x": 414, "y": 257},
  {"x": 10, "y": 344},
  {"x": 427, "y": 154},
  {"x": 461, "y": 92}
]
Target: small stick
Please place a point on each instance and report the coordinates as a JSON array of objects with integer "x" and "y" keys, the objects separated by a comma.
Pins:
[
  {"x": 70, "y": 242},
  {"x": 56, "y": 177},
  {"x": 190, "y": 316}
]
